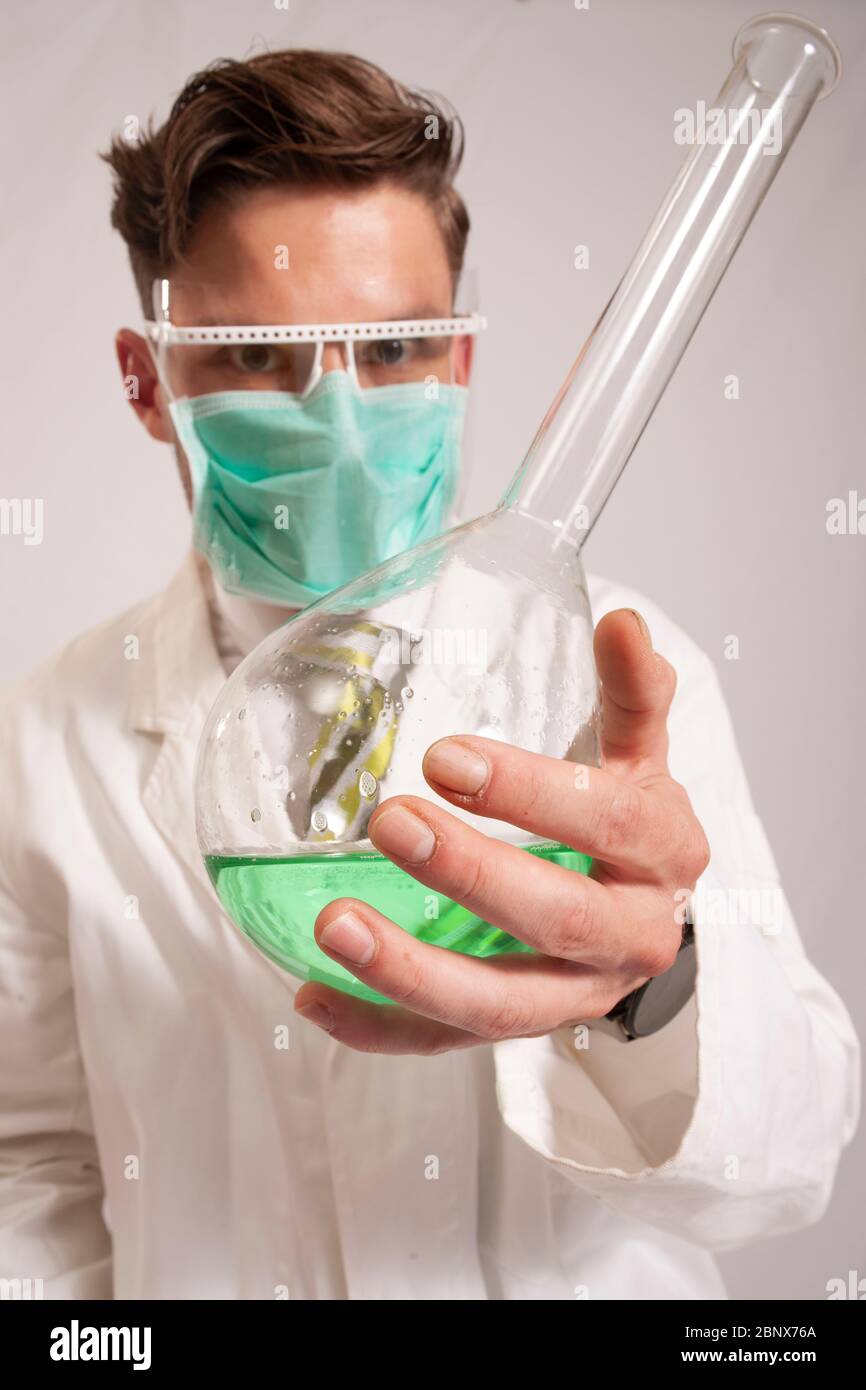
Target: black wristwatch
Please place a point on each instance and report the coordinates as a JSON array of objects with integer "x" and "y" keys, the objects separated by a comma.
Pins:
[{"x": 647, "y": 1009}]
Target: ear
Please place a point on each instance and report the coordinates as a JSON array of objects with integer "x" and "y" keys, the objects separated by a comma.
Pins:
[
  {"x": 141, "y": 384},
  {"x": 464, "y": 350}
]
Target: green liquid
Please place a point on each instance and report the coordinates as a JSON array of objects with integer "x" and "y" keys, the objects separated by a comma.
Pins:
[{"x": 275, "y": 903}]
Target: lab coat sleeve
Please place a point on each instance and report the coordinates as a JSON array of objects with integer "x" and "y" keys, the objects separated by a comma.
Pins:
[
  {"x": 727, "y": 1125},
  {"x": 51, "y": 1226}
]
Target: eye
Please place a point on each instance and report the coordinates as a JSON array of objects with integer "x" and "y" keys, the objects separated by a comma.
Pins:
[
  {"x": 390, "y": 352},
  {"x": 254, "y": 358}
]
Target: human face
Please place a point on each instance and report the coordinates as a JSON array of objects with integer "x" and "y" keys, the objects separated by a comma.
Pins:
[{"x": 323, "y": 256}]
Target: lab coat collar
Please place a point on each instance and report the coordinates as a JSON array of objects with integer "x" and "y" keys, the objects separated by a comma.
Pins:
[
  {"x": 174, "y": 681},
  {"x": 177, "y": 663}
]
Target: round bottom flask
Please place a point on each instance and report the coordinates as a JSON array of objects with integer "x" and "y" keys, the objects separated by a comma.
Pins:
[{"x": 485, "y": 630}]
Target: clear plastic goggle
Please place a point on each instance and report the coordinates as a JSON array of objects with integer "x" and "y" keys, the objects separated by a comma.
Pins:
[{"x": 196, "y": 357}]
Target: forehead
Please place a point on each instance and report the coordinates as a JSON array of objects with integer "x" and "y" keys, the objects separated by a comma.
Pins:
[{"x": 280, "y": 255}]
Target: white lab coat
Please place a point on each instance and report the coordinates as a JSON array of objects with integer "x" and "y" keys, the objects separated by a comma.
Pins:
[{"x": 144, "y": 1091}]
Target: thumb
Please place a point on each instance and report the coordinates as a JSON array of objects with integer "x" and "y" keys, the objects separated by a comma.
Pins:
[{"x": 637, "y": 686}]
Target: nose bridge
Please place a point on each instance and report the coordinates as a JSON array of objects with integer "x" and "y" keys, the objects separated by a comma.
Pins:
[{"x": 335, "y": 357}]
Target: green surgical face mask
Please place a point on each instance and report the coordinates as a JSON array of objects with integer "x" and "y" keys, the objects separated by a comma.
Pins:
[{"x": 294, "y": 496}]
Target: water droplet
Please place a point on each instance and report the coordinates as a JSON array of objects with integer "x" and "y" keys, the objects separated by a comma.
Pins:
[
  {"x": 367, "y": 784},
  {"x": 242, "y": 713},
  {"x": 255, "y": 814},
  {"x": 293, "y": 796},
  {"x": 320, "y": 820},
  {"x": 407, "y": 692},
  {"x": 398, "y": 707}
]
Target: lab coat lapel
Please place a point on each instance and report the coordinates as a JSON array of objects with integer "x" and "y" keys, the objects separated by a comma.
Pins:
[{"x": 175, "y": 680}]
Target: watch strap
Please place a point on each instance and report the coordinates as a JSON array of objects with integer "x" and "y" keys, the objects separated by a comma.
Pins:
[{"x": 647, "y": 1009}]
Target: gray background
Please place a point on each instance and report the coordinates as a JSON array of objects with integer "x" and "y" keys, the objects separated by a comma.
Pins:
[{"x": 721, "y": 514}]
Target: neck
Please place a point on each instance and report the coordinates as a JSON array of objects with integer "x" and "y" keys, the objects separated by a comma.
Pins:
[{"x": 239, "y": 621}]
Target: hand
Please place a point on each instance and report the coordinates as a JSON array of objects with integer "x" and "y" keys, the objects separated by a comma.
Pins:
[{"x": 599, "y": 936}]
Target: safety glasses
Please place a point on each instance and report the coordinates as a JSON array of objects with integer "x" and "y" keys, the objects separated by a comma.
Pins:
[{"x": 204, "y": 357}]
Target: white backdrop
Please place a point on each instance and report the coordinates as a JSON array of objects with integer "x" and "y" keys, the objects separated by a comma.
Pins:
[{"x": 721, "y": 514}]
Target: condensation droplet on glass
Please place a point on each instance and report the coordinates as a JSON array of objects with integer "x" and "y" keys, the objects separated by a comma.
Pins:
[
  {"x": 255, "y": 814},
  {"x": 407, "y": 692},
  {"x": 367, "y": 784},
  {"x": 320, "y": 820},
  {"x": 242, "y": 713}
]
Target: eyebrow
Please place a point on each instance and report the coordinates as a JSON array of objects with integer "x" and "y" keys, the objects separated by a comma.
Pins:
[{"x": 417, "y": 311}]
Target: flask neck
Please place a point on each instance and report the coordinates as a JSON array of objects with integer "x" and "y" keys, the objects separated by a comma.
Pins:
[{"x": 783, "y": 65}]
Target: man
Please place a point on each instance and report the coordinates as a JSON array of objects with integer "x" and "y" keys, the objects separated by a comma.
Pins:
[{"x": 179, "y": 1117}]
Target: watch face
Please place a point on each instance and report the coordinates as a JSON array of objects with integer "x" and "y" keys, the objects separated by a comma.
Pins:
[{"x": 661, "y": 999}]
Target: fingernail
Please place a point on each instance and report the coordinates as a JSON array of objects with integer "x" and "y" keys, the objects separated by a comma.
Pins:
[
  {"x": 643, "y": 627},
  {"x": 454, "y": 765},
  {"x": 348, "y": 936},
  {"x": 318, "y": 1014},
  {"x": 399, "y": 832}
]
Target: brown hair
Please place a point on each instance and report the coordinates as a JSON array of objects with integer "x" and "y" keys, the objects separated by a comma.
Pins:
[{"x": 300, "y": 116}]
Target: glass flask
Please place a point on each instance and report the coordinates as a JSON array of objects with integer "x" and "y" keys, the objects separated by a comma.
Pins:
[{"x": 486, "y": 629}]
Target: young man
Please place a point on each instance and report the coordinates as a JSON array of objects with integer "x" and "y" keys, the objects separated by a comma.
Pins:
[{"x": 181, "y": 1119}]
